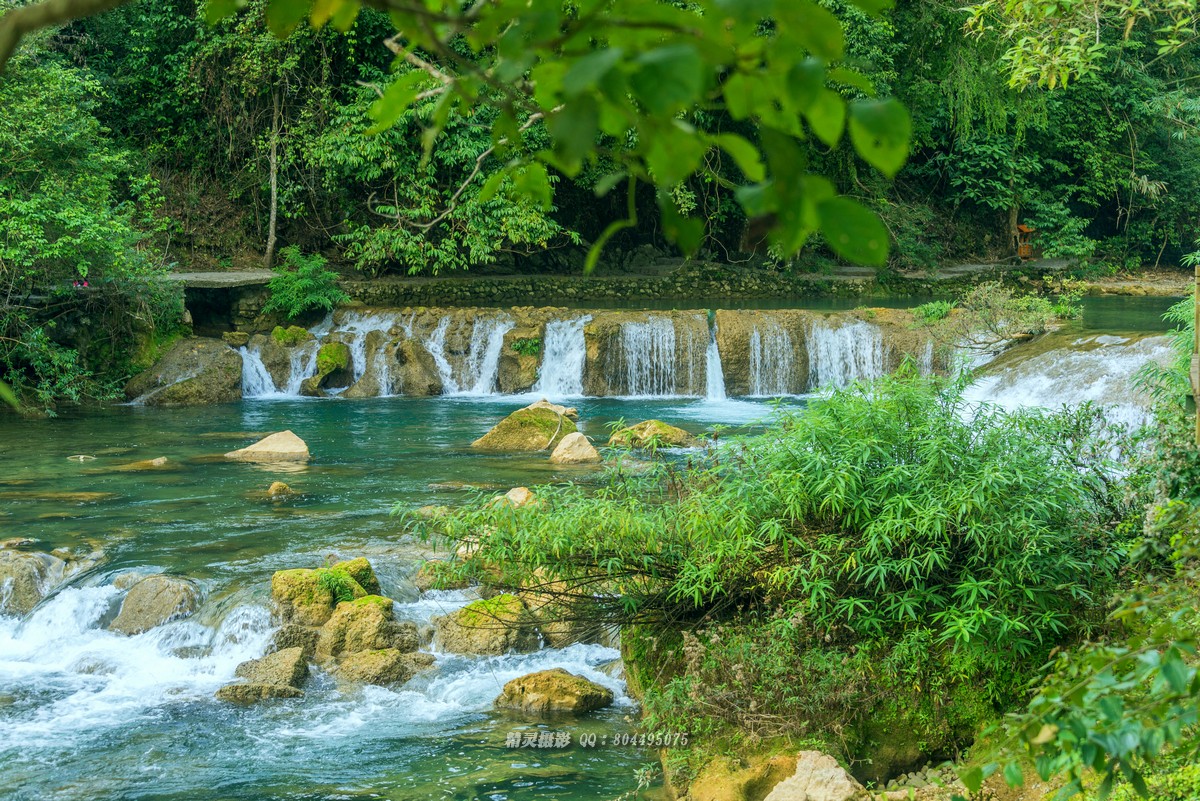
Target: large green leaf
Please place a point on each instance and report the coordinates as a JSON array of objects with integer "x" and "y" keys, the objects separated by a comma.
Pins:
[
  {"x": 573, "y": 129},
  {"x": 284, "y": 15},
  {"x": 586, "y": 73},
  {"x": 880, "y": 131},
  {"x": 827, "y": 116},
  {"x": 668, "y": 79},
  {"x": 7, "y": 395},
  {"x": 395, "y": 101},
  {"x": 744, "y": 154},
  {"x": 854, "y": 232}
]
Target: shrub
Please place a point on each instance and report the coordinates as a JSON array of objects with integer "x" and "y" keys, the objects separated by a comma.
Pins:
[
  {"x": 529, "y": 346},
  {"x": 933, "y": 311},
  {"x": 301, "y": 283}
]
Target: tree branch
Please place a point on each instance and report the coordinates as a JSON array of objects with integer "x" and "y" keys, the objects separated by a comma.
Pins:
[{"x": 19, "y": 22}]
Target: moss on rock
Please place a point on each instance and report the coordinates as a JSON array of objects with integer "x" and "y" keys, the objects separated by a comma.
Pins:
[
  {"x": 496, "y": 625},
  {"x": 291, "y": 336},
  {"x": 652, "y": 433},
  {"x": 528, "y": 429}
]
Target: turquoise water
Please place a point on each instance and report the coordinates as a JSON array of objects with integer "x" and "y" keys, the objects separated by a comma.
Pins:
[{"x": 86, "y": 713}]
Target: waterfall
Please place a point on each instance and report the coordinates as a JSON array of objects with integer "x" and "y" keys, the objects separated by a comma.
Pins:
[
  {"x": 359, "y": 326},
  {"x": 564, "y": 352},
  {"x": 771, "y": 360},
  {"x": 303, "y": 364},
  {"x": 840, "y": 356},
  {"x": 925, "y": 362},
  {"x": 714, "y": 374},
  {"x": 256, "y": 380},
  {"x": 650, "y": 363},
  {"x": 476, "y": 375}
]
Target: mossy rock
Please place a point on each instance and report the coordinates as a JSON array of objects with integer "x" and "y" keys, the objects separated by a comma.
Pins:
[
  {"x": 652, "y": 433},
  {"x": 193, "y": 372},
  {"x": 497, "y": 625},
  {"x": 529, "y": 429},
  {"x": 308, "y": 597},
  {"x": 333, "y": 370},
  {"x": 365, "y": 624},
  {"x": 553, "y": 691},
  {"x": 253, "y": 692},
  {"x": 361, "y": 571},
  {"x": 291, "y": 336},
  {"x": 333, "y": 356}
]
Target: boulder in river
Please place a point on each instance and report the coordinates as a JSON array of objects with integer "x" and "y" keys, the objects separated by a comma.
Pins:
[
  {"x": 26, "y": 577},
  {"x": 652, "y": 433},
  {"x": 287, "y": 667},
  {"x": 192, "y": 372},
  {"x": 283, "y": 446},
  {"x": 293, "y": 635},
  {"x": 251, "y": 693},
  {"x": 307, "y": 597},
  {"x": 365, "y": 624},
  {"x": 575, "y": 448},
  {"x": 416, "y": 372},
  {"x": 553, "y": 691},
  {"x": 387, "y": 666},
  {"x": 534, "y": 428},
  {"x": 146, "y": 465},
  {"x": 155, "y": 600},
  {"x": 496, "y": 625},
  {"x": 278, "y": 491}
]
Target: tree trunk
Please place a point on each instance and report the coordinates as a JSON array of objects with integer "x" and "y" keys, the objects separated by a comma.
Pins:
[{"x": 273, "y": 156}]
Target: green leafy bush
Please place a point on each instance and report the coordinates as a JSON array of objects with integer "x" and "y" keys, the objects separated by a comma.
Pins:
[
  {"x": 529, "y": 346},
  {"x": 933, "y": 311},
  {"x": 301, "y": 284}
]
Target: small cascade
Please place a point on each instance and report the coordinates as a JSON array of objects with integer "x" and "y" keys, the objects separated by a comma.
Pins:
[
  {"x": 839, "y": 356},
  {"x": 304, "y": 364},
  {"x": 714, "y": 374},
  {"x": 925, "y": 362},
  {"x": 1067, "y": 371},
  {"x": 771, "y": 359},
  {"x": 256, "y": 379},
  {"x": 564, "y": 352},
  {"x": 476, "y": 369},
  {"x": 650, "y": 362},
  {"x": 359, "y": 326}
]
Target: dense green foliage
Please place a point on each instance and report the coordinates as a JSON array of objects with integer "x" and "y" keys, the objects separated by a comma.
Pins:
[
  {"x": 302, "y": 284},
  {"x": 75, "y": 207},
  {"x": 236, "y": 122}
]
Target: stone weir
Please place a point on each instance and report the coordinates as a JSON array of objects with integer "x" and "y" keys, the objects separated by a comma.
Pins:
[{"x": 563, "y": 353}]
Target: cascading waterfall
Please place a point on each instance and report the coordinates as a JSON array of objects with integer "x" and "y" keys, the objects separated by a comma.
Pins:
[
  {"x": 771, "y": 359},
  {"x": 839, "y": 356},
  {"x": 480, "y": 365},
  {"x": 650, "y": 363},
  {"x": 564, "y": 351},
  {"x": 714, "y": 374},
  {"x": 256, "y": 380},
  {"x": 359, "y": 326}
]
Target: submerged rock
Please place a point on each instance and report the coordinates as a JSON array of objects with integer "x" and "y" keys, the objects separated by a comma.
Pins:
[
  {"x": 252, "y": 693},
  {"x": 283, "y": 446},
  {"x": 278, "y": 491},
  {"x": 652, "y": 432},
  {"x": 155, "y": 600},
  {"x": 575, "y": 448},
  {"x": 497, "y": 625},
  {"x": 818, "y": 777},
  {"x": 365, "y": 624},
  {"x": 158, "y": 463},
  {"x": 534, "y": 428},
  {"x": 386, "y": 666},
  {"x": 26, "y": 578},
  {"x": 551, "y": 691},
  {"x": 192, "y": 372}
]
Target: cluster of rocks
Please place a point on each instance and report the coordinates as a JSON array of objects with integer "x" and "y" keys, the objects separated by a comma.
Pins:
[
  {"x": 545, "y": 426},
  {"x": 336, "y": 617},
  {"x": 27, "y": 577},
  {"x": 942, "y": 775}
]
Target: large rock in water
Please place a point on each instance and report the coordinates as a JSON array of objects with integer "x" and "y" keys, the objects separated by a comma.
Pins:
[
  {"x": 575, "y": 448},
  {"x": 495, "y": 626},
  {"x": 283, "y": 446},
  {"x": 251, "y": 693},
  {"x": 534, "y": 428},
  {"x": 416, "y": 372},
  {"x": 519, "y": 359},
  {"x": 287, "y": 667},
  {"x": 818, "y": 777},
  {"x": 193, "y": 372},
  {"x": 307, "y": 597},
  {"x": 652, "y": 433},
  {"x": 26, "y": 578},
  {"x": 365, "y": 624},
  {"x": 551, "y": 691},
  {"x": 155, "y": 600}
]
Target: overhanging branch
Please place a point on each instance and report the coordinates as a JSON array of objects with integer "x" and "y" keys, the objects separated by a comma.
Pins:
[{"x": 18, "y": 22}]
